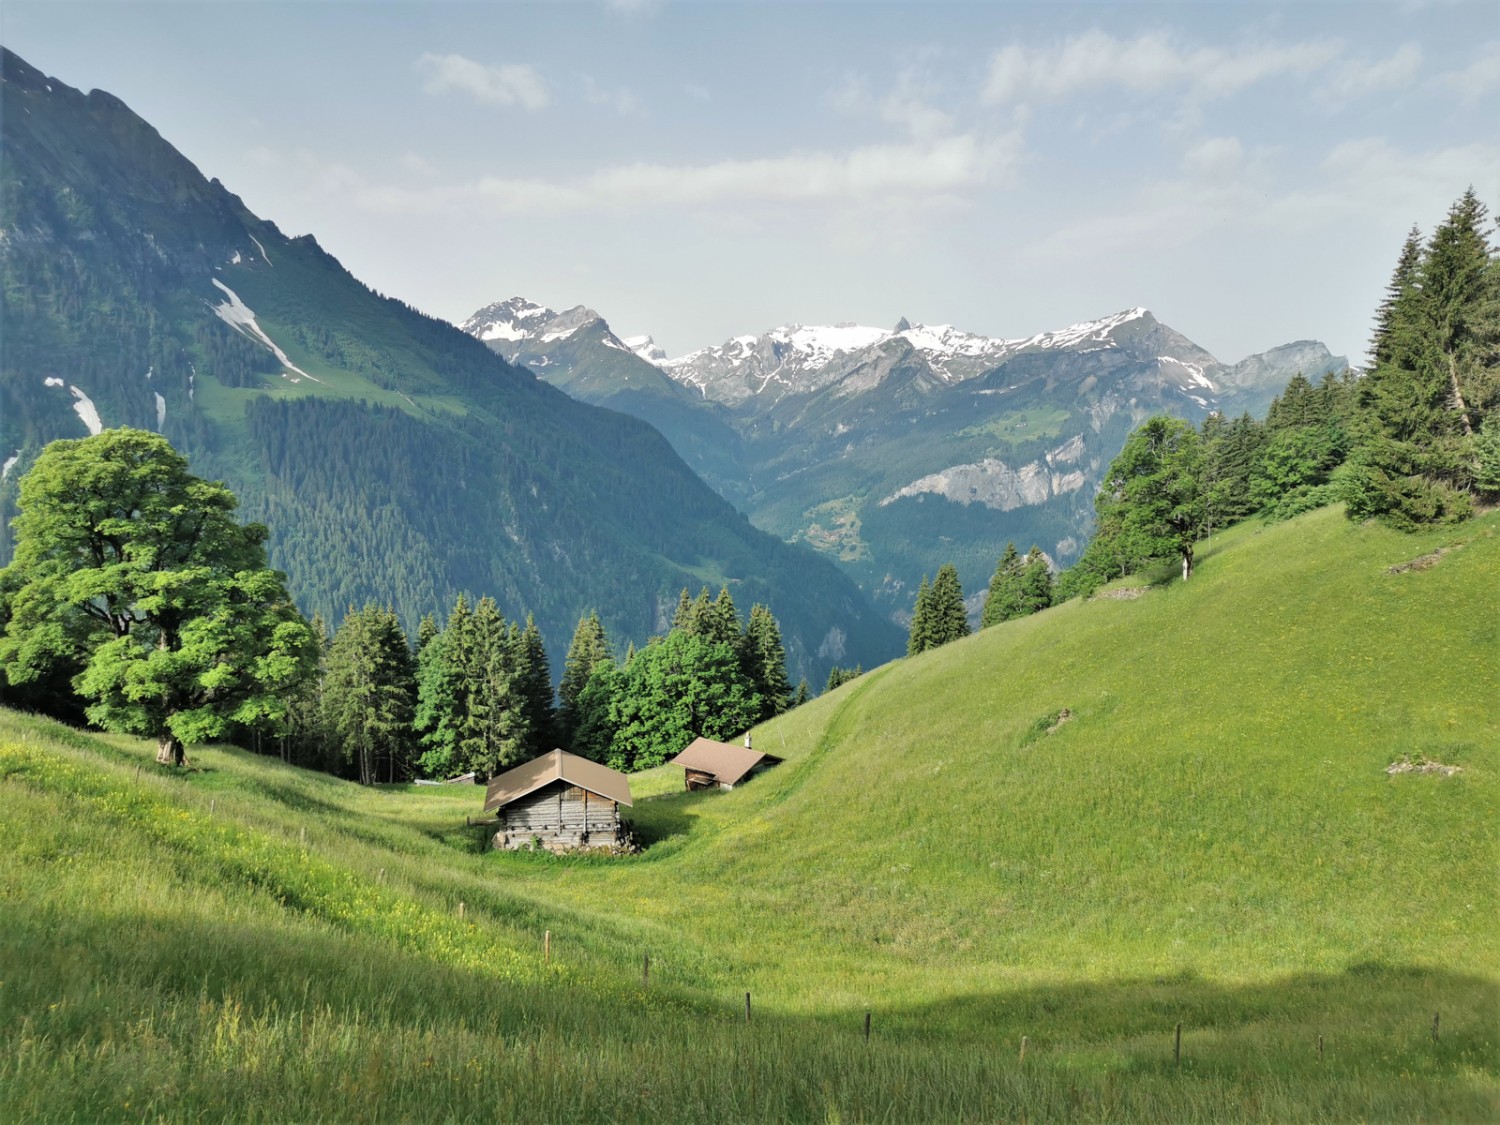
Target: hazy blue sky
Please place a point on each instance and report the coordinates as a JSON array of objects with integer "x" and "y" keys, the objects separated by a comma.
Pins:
[{"x": 696, "y": 169}]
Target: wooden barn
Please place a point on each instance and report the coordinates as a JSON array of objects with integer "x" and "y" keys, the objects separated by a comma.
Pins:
[
  {"x": 708, "y": 764},
  {"x": 561, "y": 800}
]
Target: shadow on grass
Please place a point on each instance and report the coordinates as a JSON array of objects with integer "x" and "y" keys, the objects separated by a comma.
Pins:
[
  {"x": 80, "y": 979},
  {"x": 658, "y": 819}
]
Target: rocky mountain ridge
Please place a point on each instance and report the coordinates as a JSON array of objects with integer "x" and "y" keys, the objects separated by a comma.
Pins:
[{"x": 894, "y": 450}]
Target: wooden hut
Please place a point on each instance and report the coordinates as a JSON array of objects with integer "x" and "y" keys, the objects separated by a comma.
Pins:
[
  {"x": 561, "y": 800},
  {"x": 708, "y": 764}
]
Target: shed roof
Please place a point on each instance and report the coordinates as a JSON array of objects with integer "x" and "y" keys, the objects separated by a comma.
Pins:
[
  {"x": 727, "y": 762},
  {"x": 556, "y": 765}
]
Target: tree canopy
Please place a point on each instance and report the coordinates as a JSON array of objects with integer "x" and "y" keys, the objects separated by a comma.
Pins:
[{"x": 135, "y": 570}]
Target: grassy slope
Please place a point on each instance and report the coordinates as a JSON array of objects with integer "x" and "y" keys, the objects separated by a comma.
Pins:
[{"x": 1210, "y": 839}]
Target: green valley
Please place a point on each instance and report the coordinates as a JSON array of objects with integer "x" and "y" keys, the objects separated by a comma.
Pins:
[{"x": 1261, "y": 805}]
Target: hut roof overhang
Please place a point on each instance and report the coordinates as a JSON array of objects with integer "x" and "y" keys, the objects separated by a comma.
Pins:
[
  {"x": 556, "y": 765},
  {"x": 726, "y": 761}
]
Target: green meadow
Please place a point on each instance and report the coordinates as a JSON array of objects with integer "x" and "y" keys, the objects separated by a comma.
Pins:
[{"x": 1167, "y": 806}]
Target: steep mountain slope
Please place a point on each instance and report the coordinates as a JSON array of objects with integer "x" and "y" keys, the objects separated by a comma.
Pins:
[
  {"x": 1086, "y": 828},
  {"x": 575, "y": 351},
  {"x": 395, "y": 458},
  {"x": 897, "y": 450}
]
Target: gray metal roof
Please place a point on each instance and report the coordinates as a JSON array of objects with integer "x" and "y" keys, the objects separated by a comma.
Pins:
[
  {"x": 727, "y": 762},
  {"x": 556, "y": 765}
]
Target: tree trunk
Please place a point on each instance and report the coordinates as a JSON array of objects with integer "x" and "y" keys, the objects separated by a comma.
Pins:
[
  {"x": 169, "y": 751},
  {"x": 1187, "y": 563},
  {"x": 1458, "y": 397}
]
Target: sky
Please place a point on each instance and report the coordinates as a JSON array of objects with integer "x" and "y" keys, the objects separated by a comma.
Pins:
[{"x": 695, "y": 170}]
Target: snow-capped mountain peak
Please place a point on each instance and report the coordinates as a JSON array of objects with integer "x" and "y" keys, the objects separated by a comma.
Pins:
[
  {"x": 515, "y": 319},
  {"x": 646, "y": 348}
]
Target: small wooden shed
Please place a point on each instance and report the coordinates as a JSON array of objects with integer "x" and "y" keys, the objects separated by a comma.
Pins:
[
  {"x": 708, "y": 764},
  {"x": 561, "y": 800}
]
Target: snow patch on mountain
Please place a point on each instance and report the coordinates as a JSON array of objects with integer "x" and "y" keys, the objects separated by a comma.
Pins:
[
  {"x": 88, "y": 414},
  {"x": 239, "y": 316}
]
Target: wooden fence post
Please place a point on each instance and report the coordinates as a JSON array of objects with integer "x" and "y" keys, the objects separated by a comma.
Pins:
[
  {"x": 1024, "y": 1041},
  {"x": 381, "y": 879},
  {"x": 1434, "y": 1027},
  {"x": 867, "y": 1027},
  {"x": 1177, "y": 1046},
  {"x": 547, "y": 947},
  {"x": 1320, "y": 1048},
  {"x": 460, "y": 910},
  {"x": 747, "y": 1007},
  {"x": 645, "y": 970},
  {"x": 211, "y": 805},
  {"x": 303, "y": 835}
]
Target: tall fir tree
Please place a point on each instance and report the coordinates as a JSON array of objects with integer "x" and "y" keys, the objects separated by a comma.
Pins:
[
  {"x": 534, "y": 676},
  {"x": 1003, "y": 602},
  {"x": 1415, "y": 458},
  {"x": 369, "y": 692},
  {"x": 950, "y": 620},
  {"x": 588, "y": 647},
  {"x": 1036, "y": 582},
  {"x": 1403, "y": 283},
  {"x": 763, "y": 659},
  {"x": 919, "y": 632}
]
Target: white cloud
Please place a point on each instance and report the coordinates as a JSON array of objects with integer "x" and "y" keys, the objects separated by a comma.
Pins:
[
  {"x": 1151, "y": 62},
  {"x": 1368, "y": 179},
  {"x": 1214, "y": 158},
  {"x": 1478, "y": 78},
  {"x": 908, "y": 106},
  {"x": 506, "y": 85},
  {"x": 911, "y": 174},
  {"x": 622, "y": 100},
  {"x": 1358, "y": 78}
]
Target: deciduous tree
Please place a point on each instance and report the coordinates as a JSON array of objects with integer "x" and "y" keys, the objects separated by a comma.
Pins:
[{"x": 135, "y": 569}]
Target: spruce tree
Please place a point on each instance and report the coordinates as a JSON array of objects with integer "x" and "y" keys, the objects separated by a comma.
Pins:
[
  {"x": 1003, "y": 602},
  {"x": 1036, "y": 582},
  {"x": 950, "y": 620},
  {"x": 535, "y": 682},
  {"x": 369, "y": 692},
  {"x": 919, "y": 633},
  {"x": 1415, "y": 458},
  {"x": 1403, "y": 282},
  {"x": 588, "y": 647},
  {"x": 721, "y": 621},
  {"x": 804, "y": 693},
  {"x": 763, "y": 659}
]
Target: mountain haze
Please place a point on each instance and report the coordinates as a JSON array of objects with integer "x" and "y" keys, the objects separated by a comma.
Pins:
[{"x": 395, "y": 458}]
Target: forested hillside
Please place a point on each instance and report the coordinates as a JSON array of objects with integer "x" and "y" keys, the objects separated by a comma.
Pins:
[{"x": 395, "y": 459}]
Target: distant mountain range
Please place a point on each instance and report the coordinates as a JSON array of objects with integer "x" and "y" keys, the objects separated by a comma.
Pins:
[
  {"x": 895, "y": 450},
  {"x": 394, "y": 458}
]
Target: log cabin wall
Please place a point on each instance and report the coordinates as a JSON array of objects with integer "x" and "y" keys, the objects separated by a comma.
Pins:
[{"x": 561, "y": 816}]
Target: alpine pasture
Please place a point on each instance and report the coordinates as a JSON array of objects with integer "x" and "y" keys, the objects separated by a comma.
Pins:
[{"x": 1076, "y": 831}]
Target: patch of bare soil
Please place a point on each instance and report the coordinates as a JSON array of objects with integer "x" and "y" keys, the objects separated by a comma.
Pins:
[
  {"x": 1422, "y": 765},
  {"x": 1123, "y": 594},
  {"x": 1425, "y": 562},
  {"x": 1062, "y": 717}
]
